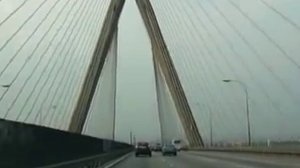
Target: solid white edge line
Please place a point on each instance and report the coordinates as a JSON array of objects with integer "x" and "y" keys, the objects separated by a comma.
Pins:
[{"x": 117, "y": 161}]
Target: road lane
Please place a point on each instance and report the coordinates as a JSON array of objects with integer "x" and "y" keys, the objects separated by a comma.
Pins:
[
  {"x": 210, "y": 160},
  {"x": 261, "y": 160},
  {"x": 143, "y": 162},
  {"x": 239, "y": 160}
]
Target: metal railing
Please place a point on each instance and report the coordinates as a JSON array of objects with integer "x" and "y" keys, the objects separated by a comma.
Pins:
[{"x": 257, "y": 150}]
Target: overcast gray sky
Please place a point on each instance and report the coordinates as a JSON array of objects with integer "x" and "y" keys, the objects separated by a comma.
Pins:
[
  {"x": 246, "y": 40},
  {"x": 176, "y": 19}
]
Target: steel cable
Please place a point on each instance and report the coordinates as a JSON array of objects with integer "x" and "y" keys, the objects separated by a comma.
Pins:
[
  {"x": 69, "y": 79},
  {"x": 39, "y": 59},
  {"x": 65, "y": 61},
  {"x": 54, "y": 64}
]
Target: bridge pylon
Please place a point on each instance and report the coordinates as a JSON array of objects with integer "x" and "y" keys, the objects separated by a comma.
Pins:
[
  {"x": 95, "y": 68},
  {"x": 163, "y": 60}
]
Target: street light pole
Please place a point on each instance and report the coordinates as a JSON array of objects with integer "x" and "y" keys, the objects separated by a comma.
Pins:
[
  {"x": 130, "y": 137},
  {"x": 248, "y": 119},
  {"x": 5, "y": 86},
  {"x": 244, "y": 86},
  {"x": 134, "y": 140},
  {"x": 211, "y": 128}
]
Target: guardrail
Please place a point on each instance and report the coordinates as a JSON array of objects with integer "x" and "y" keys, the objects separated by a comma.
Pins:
[
  {"x": 257, "y": 150},
  {"x": 90, "y": 162}
]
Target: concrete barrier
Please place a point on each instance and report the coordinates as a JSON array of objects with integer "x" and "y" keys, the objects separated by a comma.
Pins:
[{"x": 25, "y": 145}]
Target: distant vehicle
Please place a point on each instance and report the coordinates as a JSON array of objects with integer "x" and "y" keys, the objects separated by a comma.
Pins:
[
  {"x": 177, "y": 143},
  {"x": 169, "y": 149},
  {"x": 156, "y": 147},
  {"x": 142, "y": 148}
]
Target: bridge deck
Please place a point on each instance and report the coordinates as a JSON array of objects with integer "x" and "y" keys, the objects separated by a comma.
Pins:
[{"x": 211, "y": 160}]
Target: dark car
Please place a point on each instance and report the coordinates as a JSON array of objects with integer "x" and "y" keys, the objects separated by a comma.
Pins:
[
  {"x": 143, "y": 148},
  {"x": 169, "y": 150}
]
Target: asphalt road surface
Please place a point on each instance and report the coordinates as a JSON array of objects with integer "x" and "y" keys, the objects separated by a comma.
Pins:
[{"x": 211, "y": 160}]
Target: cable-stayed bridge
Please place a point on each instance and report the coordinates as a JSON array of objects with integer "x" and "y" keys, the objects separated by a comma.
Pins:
[{"x": 81, "y": 80}]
